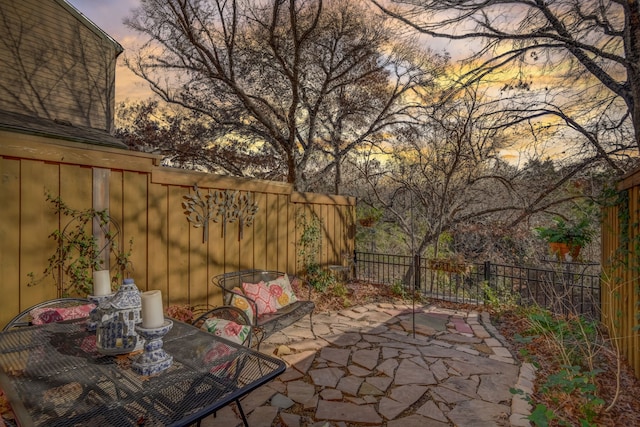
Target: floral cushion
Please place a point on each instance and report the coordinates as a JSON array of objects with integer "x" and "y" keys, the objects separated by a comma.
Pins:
[
  {"x": 43, "y": 315},
  {"x": 227, "y": 329},
  {"x": 242, "y": 303},
  {"x": 219, "y": 352},
  {"x": 281, "y": 290},
  {"x": 265, "y": 301}
]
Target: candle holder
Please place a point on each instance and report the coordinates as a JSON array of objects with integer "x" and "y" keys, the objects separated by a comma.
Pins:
[
  {"x": 154, "y": 359},
  {"x": 95, "y": 316}
]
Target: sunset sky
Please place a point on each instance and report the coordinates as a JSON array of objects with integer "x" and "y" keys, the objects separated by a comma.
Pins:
[{"x": 109, "y": 16}]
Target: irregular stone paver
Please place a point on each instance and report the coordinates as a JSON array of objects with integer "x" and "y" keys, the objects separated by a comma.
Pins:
[
  {"x": 331, "y": 394},
  {"x": 388, "y": 367},
  {"x": 300, "y": 391},
  {"x": 439, "y": 370},
  {"x": 257, "y": 398},
  {"x": 390, "y": 352},
  {"x": 367, "y": 367},
  {"x": 366, "y": 358},
  {"x": 431, "y": 410},
  {"x": 368, "y": 389},
  {"x": 224, "y": 417},
  {"x": 461, "y": 326},
  {"x": 460, "y": 339},
  {"x": 408, "y": 393},
  {"x": 494, "y": 388},
  {"x": 349, "y": 412},
  {"x": 373, "y": 338},
  {"x": 352, "y": 314},
  {"x": 377, "y": 316},
  {"x": 327, "y": 377},
  {"x": 477, "y": 413},
  {"x": 415, "y": 421},
  {"x": 390, "y": 408},
  {"x": 289, "y": 420},
  {"x": 446, "y": 395},
  {"x": 358, "y": 371},
  {"x": 432, "y": 320},
  {"x": 350, "y": 385},
  {"x": 336, "y": 355},
  {"x": 381, "y": 383},
  {"x": 281, "y": 401},
  {"x": 466, "y": 386},
  {"x": 262, "y": 416},
  {"x": 343, "y": 340},
  {"x": 291, "y": 374},
  {"x": 311, "y": 403},
  {"x": 301, "y": 361},
  {"x": 410, "y": 373}
]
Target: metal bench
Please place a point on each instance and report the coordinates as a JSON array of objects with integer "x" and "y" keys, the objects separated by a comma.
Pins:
[{"x": 265, "y": 325}]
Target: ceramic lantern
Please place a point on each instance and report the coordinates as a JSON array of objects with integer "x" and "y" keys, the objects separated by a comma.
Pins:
[{"x": 116, "y": 333}]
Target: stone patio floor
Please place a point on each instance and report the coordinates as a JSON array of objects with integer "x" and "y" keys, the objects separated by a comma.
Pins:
[{"x": 366, "y": 367}]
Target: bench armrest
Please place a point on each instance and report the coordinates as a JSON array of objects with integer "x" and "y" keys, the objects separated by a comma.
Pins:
[{"x": 305, "y": 287}]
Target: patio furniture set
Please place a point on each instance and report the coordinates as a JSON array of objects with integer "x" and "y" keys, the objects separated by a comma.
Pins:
[{"x": 53, "y": 374}]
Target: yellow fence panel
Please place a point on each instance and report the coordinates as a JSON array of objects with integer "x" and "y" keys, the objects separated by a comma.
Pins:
[{"x": 169, "y": 253}]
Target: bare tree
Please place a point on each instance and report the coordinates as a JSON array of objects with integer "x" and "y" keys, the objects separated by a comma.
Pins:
[
  {"x": 307, "y": 80},
  {"x": 579, "y": 60},
  {"x": 447, "y": 177}
]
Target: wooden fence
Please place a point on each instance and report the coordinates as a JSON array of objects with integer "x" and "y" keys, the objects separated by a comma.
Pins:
[
  {"x": 169, "y": 252},
  {"x": 621, "y": 268}
]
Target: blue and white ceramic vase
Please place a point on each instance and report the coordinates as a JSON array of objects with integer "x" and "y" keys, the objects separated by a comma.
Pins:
[{"x": 116, "y": 332}]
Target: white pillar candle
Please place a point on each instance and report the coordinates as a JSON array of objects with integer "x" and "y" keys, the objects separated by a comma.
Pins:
[
  {"x": 152, "y": 313},
  {"x": 101, "y": 283}
]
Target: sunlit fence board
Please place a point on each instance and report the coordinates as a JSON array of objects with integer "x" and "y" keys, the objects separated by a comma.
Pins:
[
  {"x": 9, "y": 237},
  {"x": 621, "y": 270}
]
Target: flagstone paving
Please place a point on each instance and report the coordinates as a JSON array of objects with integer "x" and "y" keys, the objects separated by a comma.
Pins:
[{"x": 366, "y": 366}]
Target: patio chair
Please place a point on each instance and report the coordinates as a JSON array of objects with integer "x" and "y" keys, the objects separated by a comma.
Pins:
[
  {"x": 25, "y": 317},
  {"x": 227, "y": 314}
]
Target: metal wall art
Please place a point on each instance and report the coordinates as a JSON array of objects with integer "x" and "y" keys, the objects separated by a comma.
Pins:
[{"x": 223, "y": 207}]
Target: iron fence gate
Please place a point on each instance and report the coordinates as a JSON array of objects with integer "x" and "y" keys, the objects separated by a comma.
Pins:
[{"x": 562, "y": 288}]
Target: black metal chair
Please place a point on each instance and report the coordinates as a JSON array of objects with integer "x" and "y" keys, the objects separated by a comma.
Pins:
[
  {"x": 24, "y": 318},
  {"x": 238, "y": 316}
]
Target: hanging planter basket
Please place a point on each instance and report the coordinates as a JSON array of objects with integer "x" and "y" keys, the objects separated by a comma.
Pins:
[{"x": 561, "y": 250}]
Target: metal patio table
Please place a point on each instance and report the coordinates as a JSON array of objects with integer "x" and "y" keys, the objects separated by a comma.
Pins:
[{"x": 53, "y": 376}]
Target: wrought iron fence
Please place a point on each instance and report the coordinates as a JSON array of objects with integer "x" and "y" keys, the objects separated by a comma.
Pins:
[{"x": 560, "y": 287}]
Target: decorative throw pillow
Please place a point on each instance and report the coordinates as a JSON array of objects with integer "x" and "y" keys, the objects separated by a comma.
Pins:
[
  {"x": 281, "y": 290},
  {"x": 259, "y": 292},
  {"x": 226, "y": 329},
  {"x": 219, "y": 357},
  {"x": 242, "y": 303},
  {"x": 43, "y": 315}
]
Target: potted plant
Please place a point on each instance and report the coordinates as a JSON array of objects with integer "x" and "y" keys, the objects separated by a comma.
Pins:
[
  {"x": 368, "y": 215},
  {"x": 567, "y": 238},
  {"x": 79, "y": 252}
]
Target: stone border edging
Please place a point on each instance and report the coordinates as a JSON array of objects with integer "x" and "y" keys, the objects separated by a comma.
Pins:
[{"x": 520, "y": 407}]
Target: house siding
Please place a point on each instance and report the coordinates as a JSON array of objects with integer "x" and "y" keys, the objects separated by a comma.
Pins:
[{"x": 55, "y": 66}]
